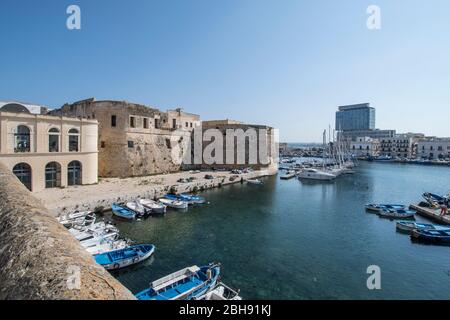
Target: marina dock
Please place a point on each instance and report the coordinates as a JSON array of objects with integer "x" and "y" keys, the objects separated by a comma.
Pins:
[{"x": 433, "y": 214}]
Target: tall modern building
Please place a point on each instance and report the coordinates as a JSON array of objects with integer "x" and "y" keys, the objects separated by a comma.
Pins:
[{"x": 355, "y": 117}]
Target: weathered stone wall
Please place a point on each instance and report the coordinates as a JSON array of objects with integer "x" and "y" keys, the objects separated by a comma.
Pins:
[
  {"x": 39, "y": 257},
  {"x": 143, "y": 138}
]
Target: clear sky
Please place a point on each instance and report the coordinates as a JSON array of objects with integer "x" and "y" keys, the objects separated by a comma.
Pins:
[{"x": 285, "y": 63}]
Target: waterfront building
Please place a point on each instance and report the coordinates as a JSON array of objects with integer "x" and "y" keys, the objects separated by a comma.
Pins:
[
  {"x": 401, "y": 145},
  {"x": 135, "y": 139},
  {"x": 365, "y": 146},
  {"x": 46, "y": 151},
  {"x": 433, "y": 148}
]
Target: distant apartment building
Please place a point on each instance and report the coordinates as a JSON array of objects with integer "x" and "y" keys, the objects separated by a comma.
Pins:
[
  {"x": 358, "y": 120},
  {"x": 365, "y": 146},
  {"x": 355, "y": 117},
  {"x": 134, "y": 139},
  {"x": 433, "y": 148},
  {"x": 46, "y": 151},
  {"x": 401, "y": 145}
]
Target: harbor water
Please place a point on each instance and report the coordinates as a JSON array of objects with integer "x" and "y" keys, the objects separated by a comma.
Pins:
[{"x": 302, "y": 240}]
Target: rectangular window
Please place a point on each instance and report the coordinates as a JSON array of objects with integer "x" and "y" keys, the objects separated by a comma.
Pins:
[
  {"x": 187, "y": 124},
  {"x": 53, "y": 143},
  {"x": 156, "y": 123},
  {"x": 130, "y": 144},
  {"x": 113, "y": 121},
  {"x": 132, "y": 122},
  {"x": 102, "y": 144},
  {"x": 191, "y": 124},
  {"x": 73, "y": 143},
  {"x": 145, "y": 123},
  {"x": 174, "y": 123}
]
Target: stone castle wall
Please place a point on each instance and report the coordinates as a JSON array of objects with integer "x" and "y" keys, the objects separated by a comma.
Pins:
[
  {"x": 143, "y": 140},
  {"x": 39, "y": 258}
]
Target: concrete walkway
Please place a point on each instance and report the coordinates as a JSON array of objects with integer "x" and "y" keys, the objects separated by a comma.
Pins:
[{"x": 110, "y": 190}]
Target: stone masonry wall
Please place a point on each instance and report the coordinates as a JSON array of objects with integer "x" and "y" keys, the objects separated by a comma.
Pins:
[{"x": 38, "y": 256}]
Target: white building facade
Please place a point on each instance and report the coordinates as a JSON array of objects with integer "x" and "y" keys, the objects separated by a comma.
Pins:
[
  {"x": 365, "y": 147},
  {"x": 434, "y": 148}
]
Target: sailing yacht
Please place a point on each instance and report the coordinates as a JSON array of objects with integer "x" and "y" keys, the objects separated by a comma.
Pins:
[{"x": 316, "y": 174}]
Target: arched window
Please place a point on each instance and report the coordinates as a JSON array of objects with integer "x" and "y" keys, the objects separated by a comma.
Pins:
[
  {"x": 53, "y": 140},
  {"x": 22, "y": 139},
  {"x": 23, "y": 173},
  {"x": 52, "y": 175},
  {"x": 74, "y": 171},
  {"x": 74, "y": 138}
]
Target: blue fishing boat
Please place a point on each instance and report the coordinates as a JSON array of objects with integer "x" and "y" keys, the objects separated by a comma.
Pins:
[
  {"x": 123, "y": 212},
  {"x": 380, "y": 207},
  {"x": 397, "y": 214},
  {"x": 125, "y": 257},
  {"x": 190, "y": 199},
  {"x": 435, "y": 199},
  {"x": 186, "y": 284},
  {"x": 408, "y": 226},
  {"x": 441, "y": 237}
]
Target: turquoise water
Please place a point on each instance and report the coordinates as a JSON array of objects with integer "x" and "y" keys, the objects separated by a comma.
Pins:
[{"x": 297, "y": 240}]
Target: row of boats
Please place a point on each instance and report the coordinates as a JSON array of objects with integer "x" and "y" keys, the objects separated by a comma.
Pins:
[
  {"x": 103, "y": 242},
  {"x": 145, "y": 207},
  {"x": 422, "y": 232}
]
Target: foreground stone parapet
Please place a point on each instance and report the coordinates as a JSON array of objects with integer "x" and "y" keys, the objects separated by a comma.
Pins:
[{"x": 39, "y": 259}]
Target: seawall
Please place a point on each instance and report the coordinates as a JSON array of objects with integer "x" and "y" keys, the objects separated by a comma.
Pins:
[{"x": 39, "y": 259}]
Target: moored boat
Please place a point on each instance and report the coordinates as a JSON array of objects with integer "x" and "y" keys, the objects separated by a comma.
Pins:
[
  {"x": 397, "y": 214},
  {"x": 408, "y": 226},
  {"x": 123, "y": 212},
  {"x": 221, "y": 292},
  {"x": 190, "y": 199},
  {"x": 194, "y": 199},
  {"x": 138, "y": 208},
  {"x": 254, "y": 181},
  {"x": 154, "y": 206},
  {"x": 315, "y": 174},
  {"x": 441, "y": 237},
  {"x": 176, "y": 204},
  {"x": 186, "y": 284},
  {"x": 125, "y": 257},
  {"x": 288, "y": 175},
  {"x": 380, "y": 207}
]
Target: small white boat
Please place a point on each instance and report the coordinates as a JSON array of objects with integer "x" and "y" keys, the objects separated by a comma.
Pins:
[
  {"x": 254, "y": 181},
  {"x": 137, "y": 207},
  {"x": 77, "y": 219},
  {"x": 288, "y": 175},
  {"x": 95, "y": 240},
  {"x": 154, "y": 206},
  {"x": 221, "y": 292},
  {"x": 176, "y": 204},
  {"x": 315, "y": 174},
  {"x": 97, "y": 229},
  {"x": 108, "y": 246}
]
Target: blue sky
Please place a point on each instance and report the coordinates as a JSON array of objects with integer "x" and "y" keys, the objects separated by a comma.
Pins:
[{"x": 285, "y": 63}]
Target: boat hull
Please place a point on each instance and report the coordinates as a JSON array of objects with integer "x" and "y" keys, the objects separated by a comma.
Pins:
[{"x": 114, "y": 264}]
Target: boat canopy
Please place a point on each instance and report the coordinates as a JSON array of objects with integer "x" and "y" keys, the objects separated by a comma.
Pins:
[{"x": 174, "y": 277}]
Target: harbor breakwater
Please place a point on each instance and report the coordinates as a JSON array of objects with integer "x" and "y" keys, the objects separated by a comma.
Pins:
[{"x": 39, "y": 259}]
